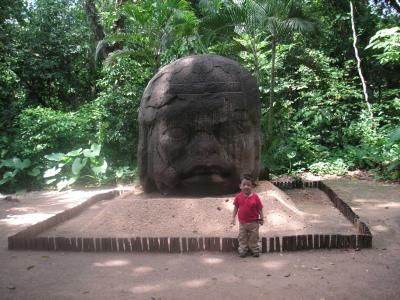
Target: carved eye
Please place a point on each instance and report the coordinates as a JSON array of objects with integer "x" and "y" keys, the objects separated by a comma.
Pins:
[
  {"x": 231, "y": 128},
  {"x": 177, "y": 133}
]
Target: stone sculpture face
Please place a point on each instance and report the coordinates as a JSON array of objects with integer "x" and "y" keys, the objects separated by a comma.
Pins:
[{"x": 199, "y": 127}]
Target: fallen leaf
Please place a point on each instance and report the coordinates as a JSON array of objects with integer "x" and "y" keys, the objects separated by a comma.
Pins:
[
  {"x": 287, "y": 275},
  {"x": 316, "y": 268},
  {"x": 11, "y": 287},
  {"x": 30, "y": 267}
]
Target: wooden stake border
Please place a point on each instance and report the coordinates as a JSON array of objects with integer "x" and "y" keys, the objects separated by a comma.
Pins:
[{"x": 28, "y": 239}]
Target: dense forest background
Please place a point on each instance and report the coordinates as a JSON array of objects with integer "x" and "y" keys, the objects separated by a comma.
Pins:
[{"x": 72, "y": 73}]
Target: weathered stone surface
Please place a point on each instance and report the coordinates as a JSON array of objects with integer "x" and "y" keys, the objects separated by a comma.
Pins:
[{"x": 199, "y": 126}]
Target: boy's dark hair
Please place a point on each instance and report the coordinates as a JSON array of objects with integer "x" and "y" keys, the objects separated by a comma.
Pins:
[{"x": 247, "y": 177}]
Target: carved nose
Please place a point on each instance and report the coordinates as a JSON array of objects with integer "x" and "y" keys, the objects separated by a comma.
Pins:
[{"x": 204, "y": 145}]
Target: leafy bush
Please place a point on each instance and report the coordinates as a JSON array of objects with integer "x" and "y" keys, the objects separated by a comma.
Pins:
[
  {"x": 43, "y": 130},
  {"x": 86, "y": 165},
  {"x": 15, "y": 173},
  {"x": 335, "y": 166}
]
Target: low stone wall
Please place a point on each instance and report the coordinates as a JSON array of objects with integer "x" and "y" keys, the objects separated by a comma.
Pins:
[{"x": 28, "y": 239}]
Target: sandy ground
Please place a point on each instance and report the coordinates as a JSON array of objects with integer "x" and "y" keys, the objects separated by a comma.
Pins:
[
  {"x": 316, "y": 274},
  {"x": 152, "y": 215}
]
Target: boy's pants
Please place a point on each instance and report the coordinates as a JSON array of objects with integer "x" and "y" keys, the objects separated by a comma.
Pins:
[{"x": 248, "y": 237}]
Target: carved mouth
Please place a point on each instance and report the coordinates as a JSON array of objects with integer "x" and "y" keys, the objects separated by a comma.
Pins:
[{"x": 206, "y": 174}]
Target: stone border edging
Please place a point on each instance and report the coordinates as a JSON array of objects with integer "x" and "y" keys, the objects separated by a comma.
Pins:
[{"x": 28, "y": 239}]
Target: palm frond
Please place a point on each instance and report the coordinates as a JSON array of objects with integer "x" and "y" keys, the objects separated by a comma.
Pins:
[{"x": 111, "y": 58}]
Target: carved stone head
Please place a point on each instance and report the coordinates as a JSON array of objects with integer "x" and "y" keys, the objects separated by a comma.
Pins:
[{"x": 199, "y": 127}]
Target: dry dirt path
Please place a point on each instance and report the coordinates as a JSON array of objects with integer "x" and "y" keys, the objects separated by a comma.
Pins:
[{"x": 323, "y": 274}]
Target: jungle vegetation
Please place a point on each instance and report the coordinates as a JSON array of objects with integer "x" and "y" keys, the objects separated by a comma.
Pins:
[{"x": 72, "y": 73}]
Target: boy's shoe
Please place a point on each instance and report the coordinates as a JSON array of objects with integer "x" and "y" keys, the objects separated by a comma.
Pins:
[
  {"x": 256, "y": 254},
  {"x": 242, "y": 255}
]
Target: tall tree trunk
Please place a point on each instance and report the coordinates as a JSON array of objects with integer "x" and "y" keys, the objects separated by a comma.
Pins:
[
  {"x": 97, "y": 28},
  {"x": 255, "y": 60},
  {"x": 364, "y": 85},
  {"x": 271, "y": 91},
  {"x": 95, "y": 25}
]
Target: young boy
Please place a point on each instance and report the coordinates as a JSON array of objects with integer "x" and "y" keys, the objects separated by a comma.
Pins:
[{"x": 248, "y": 207}]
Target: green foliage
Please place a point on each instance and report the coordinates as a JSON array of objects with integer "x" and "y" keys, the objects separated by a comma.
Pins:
[
  {"x": 43, "y": 130},
  {"x": 333, "y": 166},
  {"x": 388, "y": 41},
  {"x": 86, "y": 165},
  {"x": 150, "y": 28},
  {"x": 118, "y": 103},
  {"x": 54, "y": 98},
  {"x": 15, "y": 171},
  {"x": 55, "y": 62}
]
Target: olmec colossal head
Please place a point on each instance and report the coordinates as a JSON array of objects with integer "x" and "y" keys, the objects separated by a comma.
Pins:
[{"x": 199, "y": 123}]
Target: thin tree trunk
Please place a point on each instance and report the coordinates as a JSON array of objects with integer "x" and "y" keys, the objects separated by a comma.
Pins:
[
  {"x": 271, "y": 91},
  {"x": 95, "y": 25},
  {"x": 256, "y": 62},
  {"x": 364, "y": 85},
  {"x": 97, "y": 28}
]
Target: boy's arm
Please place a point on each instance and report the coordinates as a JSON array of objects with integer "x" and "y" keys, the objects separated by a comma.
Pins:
[
  {"x": 235, "y": 210},
  {"x": 261, "y": 217}
]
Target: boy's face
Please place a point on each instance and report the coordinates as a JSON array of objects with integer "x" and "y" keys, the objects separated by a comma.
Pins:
[{"x": 246, "y": 186}]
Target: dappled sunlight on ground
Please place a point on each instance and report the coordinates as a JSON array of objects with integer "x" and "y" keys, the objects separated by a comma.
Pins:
[
  {"x": 212, "y": 260},
  {"x": 389, "y": 204},
  {"x": 113, "y": 263},
  {"x": 363, "y": 200},
  {"x": 380, "y": 228},
  {"x": 276, "y": 219},
  {"x": 275, "y": 264},
  {"x": 194, "y": 283},
  {"x": 285, "y": 201},
  {"x": 26, "y": 219},
  {"x": 146, "y": 288},
  {"x": 143, "y": 270}
]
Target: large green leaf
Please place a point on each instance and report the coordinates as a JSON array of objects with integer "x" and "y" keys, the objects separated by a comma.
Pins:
[
  {"x": 55, "y": 156},
  {"x": 94, "y": 151},
  {"x": 74, "y": 153},
  {"x": 34, "y": 172},
  {"x": 78, "y": 165},
  {"x": 26, "y": 163},
  {"x": 51, "y": 172},
  {"x": 16, "y": 163},
  {"x": 395, "y": 136},
  {"x": 65, "y": 183},
  {"x": 100, "y": 169}
]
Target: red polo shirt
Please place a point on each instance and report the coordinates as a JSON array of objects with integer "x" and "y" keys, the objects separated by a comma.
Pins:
[{"x": 248, "y": 207}]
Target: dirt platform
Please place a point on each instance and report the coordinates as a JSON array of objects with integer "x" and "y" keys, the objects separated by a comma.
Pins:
[
  {"x": 297, "y": 212},
  {"x": 330, "y": 274}
]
